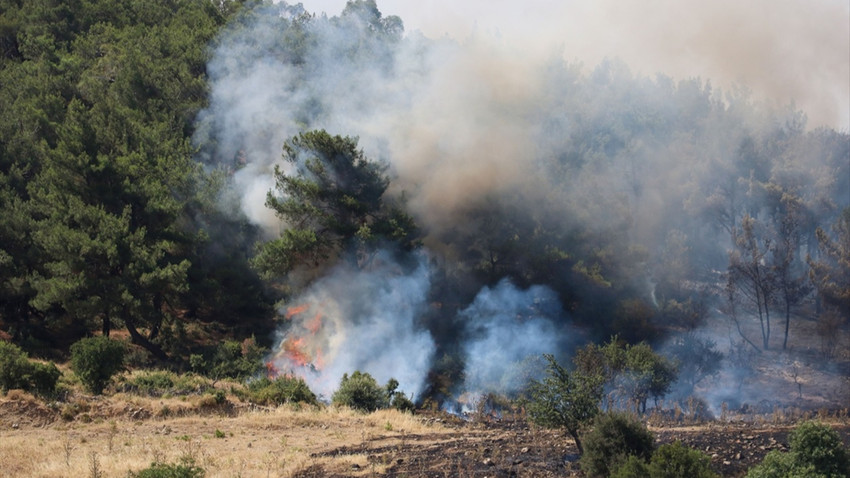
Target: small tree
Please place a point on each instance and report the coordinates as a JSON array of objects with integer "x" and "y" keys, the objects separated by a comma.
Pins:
[
  {"x": 615, "y": 437},
  {"x": 95, "y": 360},
  {"x": 361, "y": 392},
  {"x": 563, "y": 399},
  {"x": 696, "y": 359}
]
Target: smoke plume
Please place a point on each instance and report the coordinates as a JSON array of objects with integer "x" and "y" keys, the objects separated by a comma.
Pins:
[{"x": 510, "y": 156}]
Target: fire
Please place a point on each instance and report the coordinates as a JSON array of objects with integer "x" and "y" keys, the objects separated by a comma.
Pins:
[
  {"x": 293, "y": 311},
  {"x": 315, "y": 323},
  {"x": 293, "y": 349},
  {"x": 300, "y": 351}
]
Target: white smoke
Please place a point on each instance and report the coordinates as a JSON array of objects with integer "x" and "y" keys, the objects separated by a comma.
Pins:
[
  {"x": 362, "y": 320},
  {"x": 507, "y": 326}
]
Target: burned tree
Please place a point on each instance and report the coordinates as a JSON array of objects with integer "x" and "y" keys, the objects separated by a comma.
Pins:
[{"x": 749, "y": 273}]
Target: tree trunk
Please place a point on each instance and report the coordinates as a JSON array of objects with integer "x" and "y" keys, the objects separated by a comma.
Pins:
[
  {"x": 140, "y": 339},
  {"x": 787, "y": 321},
  {"x": 574, "y": 435}
]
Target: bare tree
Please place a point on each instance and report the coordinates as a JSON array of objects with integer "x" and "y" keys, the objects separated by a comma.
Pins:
[{"x": 749, "y": 273}]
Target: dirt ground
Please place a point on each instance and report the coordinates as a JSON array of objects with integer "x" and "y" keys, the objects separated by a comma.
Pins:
[{"x": 510, "y": 448}]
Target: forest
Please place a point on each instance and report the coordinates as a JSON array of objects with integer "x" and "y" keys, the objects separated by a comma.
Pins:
[{"x": 350, "y": 196}]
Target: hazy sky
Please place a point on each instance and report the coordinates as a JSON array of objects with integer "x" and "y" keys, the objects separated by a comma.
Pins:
[{"x": 784, "y": 50}]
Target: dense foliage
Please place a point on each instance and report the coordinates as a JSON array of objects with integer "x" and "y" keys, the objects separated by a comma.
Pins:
[
  {"x": 106, "y": 214},
  {"x": 281, "y": 390},
  {"x": 95, "y": 360},
  {"x": 18, "y": 371},
  {"x": 816, "y": 451},
  {"x": 614, "y": 438},
  {"x": 361, "y": 392}
]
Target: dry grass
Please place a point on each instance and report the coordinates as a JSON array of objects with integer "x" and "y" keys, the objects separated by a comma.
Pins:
[{"x": 260, "y": 443}]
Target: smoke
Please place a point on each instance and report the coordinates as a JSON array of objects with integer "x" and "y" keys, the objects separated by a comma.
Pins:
[
  {"x": 783, "y": 50},
  {"x": 501, "y": 146},
  {"x": 359, "y": 320},
  {"x": 506, "y": 327}
]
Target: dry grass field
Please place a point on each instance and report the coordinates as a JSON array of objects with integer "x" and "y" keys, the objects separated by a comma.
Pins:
[{"x": 285, "y": 441}]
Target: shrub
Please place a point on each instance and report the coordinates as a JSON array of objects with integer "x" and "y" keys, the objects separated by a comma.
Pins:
[
  {"x": 17, "y": 371},
  {"x": 43, "y": 378},
  {"x": 401, "y": 403},
  {"x": 820, "y": 446},
  {"x": 361, "y": 392},
  {"x": 95, "y": 360},
  {"x": 633, "y": 467},
  {"x": 283, "y": 389},
  {"x": 816, "y": 451},
  {"x": 615, "y": 436},
  {"x": 156, "y": 383},
  {"x": 185, "y": 469},
  {"x": 13, "y": 367},
  {"x": 675, "y": 460},
  {"x": 229, "y": 359}
]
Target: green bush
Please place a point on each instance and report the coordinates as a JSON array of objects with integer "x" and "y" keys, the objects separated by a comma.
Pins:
[
  {"x": 820, "y": 446},
  {"x": 283, "y": 389},
  {"x": 185, "y": 469},
  {"x": 17, "y": 371},
  {"x": 401, "y": 403},
  {"x": 676, "y": 460},
  {"x": 43, "y": 378},
  {"x": 156, "y": 383},
  {"x": 229, "y": 359},
  {"x": 361, "y": 392},
  {"x": 95, "y": 360},
  {"x": 633, "y": 467},
  {"x": 816, "y": 451},
  {"x": 615, "y": 437}
]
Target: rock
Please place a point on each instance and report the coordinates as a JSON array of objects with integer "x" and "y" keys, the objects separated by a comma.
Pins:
[
  {"x": 524, "y": 449},
  {"x": 487, "y": 462},
  {"x": 355, "y": 467}
]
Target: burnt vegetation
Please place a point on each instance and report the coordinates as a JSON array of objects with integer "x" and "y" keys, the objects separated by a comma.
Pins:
[{"x": 669, "y": 241}]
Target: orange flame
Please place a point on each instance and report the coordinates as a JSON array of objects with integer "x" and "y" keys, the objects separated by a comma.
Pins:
[
  {"x": 315, "y": 323},
  {"x": 293, "y": 311},
  {"x": 294, "y": 350}
]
